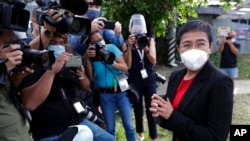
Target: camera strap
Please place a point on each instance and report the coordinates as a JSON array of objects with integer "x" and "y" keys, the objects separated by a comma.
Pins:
[
  {"x": 75, "y": 117},
  {"x": 41, "y": 47},
  {"x": 121, "y": 78},
  {"x": 141, "y": 55}
]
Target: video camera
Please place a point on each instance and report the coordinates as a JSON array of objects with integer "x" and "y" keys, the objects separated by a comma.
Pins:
[
  {"x": 103, "y": 54},
  {"x": 45, "y": 58},
  {"x": 68, "y": 24},
  {"x": 13, "y": 15},
  {"x": 142, "y": 40}
]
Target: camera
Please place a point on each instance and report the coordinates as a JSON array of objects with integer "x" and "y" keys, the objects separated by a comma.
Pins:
[
  {"x": 69, "y": 70},
  {"x": 103, "y": 54},
  {"x": 13, "y": 15},
  {"x": 108, "y": 24},
  {"x": 93, "y": 117},
  {"x": 74, "y": 61},
  {"x": 228, "y": 38},
  {"x": 160, "y": 78},
  {"x": 44, "y": 58},
  {"x": 69, "y": 24},
  {"x": 142, "y": 40}
]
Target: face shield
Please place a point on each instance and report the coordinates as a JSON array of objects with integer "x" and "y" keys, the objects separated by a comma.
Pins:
[{"x": 137, "y": 24}]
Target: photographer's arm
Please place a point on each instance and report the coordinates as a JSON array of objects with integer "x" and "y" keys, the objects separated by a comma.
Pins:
[
  {"x": 46, "y": 33},
  {"x": 127, "y": 49},
  {"x": 35, "y": 95},
  {"x": 88, "y": 67},
  {"x": 221, "y": 47},
  {"x": 150, "y": 52},
  {"x": 120, "y": 64},
  {"x": 233, "y": 49},
  {"x": 17, "y": 77},
  {"x": 84, "y": 80}
]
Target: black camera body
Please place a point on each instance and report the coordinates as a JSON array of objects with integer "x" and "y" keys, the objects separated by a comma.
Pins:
[
  {"x": 13, "y": 15},
  {"x": 228, "y": 38},
  {"x": 103, "y": 54},
  {"x": 69, "y": 70},
  {"x": 44, "y": 58},
  {"x": 68, "y": 24},
  {"x": 142, "y": 40}
]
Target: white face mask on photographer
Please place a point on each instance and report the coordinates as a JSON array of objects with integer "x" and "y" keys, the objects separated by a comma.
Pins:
[
  {"x": 233, "y": 40},
  {"x": 194, "y": 59},
  {"x": 58, "y": 49}
]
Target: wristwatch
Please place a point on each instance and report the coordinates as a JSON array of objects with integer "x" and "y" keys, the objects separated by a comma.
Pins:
[{"x": 48, "y": 33}]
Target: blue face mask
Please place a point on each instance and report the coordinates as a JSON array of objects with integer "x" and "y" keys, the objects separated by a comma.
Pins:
[
  {"x": 58, "y": 49},
  {"x": 92, "y": 14}
]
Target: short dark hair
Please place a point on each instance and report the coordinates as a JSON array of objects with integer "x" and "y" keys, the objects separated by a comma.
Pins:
[
  {"x": 195, "y": 25},
  {"x": 78, "y": 7},
  {"x": 90, "y": 35},
  {"x": 96, "y": 2}
]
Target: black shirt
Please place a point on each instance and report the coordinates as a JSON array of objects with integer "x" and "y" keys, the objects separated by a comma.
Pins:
[
  {"x": 52, "y": 117},
  {"x": 228, "y": 59}
]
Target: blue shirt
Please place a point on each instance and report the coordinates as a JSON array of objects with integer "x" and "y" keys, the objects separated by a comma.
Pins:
[
  {"x": 103, "y": 76},
  {"x": 111, "y": 38},
  {"x": 79, "y": 46}
]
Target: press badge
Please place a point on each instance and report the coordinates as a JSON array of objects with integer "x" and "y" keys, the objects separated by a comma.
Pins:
[
  {"x": 122, "y": 81},
  {"x": 78, "y": 107},
  {"x": 144, "y": 73}
]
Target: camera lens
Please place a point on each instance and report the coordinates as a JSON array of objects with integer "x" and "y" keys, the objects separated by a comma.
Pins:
[
  {"x": 76, "y": 26},
  {"x": 45, "y": 60},
  {"x": 142, "y": 41}
]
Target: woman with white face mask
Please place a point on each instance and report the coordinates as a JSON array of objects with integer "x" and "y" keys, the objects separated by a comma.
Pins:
[{"x": 199, "y": 99}]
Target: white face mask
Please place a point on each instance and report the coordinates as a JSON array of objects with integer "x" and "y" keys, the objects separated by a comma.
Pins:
[
  {"x": 58, "y": 49},
  {"x": 233, "y": 40},
  {"x": 194, "y": 59}
]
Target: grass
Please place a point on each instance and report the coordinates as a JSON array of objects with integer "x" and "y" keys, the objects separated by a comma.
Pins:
[
  {"x": 241, "y": 109},
  {"x": 243, "y": 64}
]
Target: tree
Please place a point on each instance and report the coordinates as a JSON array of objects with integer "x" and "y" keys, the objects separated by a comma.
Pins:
[{"x": 159, "y": 14}]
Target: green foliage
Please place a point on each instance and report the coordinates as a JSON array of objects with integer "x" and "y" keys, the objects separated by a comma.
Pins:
[{"x": 159, "y": 15}]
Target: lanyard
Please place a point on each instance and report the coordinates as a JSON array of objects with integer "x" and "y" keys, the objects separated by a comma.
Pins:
[{"x": 141, "y": 54}]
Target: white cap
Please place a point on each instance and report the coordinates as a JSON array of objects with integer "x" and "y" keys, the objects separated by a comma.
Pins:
[
  {"x": 77, "y": 133},
  {"x": 137, "y": 24},
  {"x": 84, "y": 133}
]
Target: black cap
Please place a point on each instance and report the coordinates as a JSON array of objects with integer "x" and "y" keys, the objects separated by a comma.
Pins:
[
  {"x": 78, "y": 7},
  {"x": 96, "y": 2}
]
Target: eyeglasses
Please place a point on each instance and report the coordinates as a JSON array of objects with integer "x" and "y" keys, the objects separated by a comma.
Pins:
[{"x": 199, "y": 45}]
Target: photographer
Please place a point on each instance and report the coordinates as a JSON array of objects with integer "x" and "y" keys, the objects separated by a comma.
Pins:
[
  {"x": 54, "y": 96},
  {"x": 229, "y": 50},
  {"x": 112, "y": 36},
  {"x": 140, "y": 55},
  {"x": 106, "y": 66},
  {"x": 13, "y": 125}
]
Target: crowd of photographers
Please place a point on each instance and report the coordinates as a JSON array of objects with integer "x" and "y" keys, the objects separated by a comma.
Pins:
[{"x": 48, "y": 77}]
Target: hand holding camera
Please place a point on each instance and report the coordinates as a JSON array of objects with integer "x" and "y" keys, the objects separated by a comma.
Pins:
[
  {"x": 98, "y": 51},
  {"x": 12, "y": 54},
  {"x": 54, "y": 15},
  {"x": 60, "y": 62}
]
